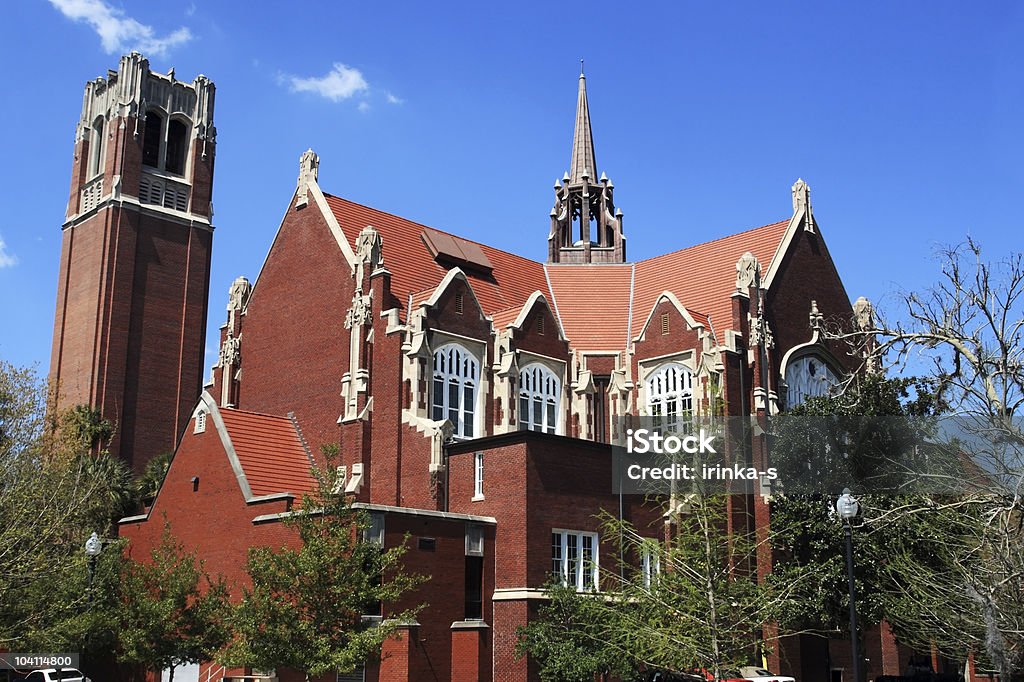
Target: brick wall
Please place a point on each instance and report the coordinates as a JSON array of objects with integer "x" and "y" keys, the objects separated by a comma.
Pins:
[{"x": 294, "y": 342}]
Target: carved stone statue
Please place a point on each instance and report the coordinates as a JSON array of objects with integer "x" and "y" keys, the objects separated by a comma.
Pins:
[
  {"x": 230, "y": 351},
  {"x": 748, "y": 271}
]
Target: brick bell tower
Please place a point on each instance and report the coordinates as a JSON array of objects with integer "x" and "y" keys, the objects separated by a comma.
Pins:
[{"x": 130, "y": 323}]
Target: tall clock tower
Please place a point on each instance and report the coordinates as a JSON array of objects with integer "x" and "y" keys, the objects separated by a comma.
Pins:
[{"x": 135, "y": 256}]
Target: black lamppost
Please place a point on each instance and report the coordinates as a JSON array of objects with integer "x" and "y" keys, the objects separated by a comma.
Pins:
[
  {"x": 93, "y": 547},
  {"x": 847, "y": 507}
]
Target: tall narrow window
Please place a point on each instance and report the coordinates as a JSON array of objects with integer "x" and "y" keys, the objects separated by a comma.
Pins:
[
  {"x": 151, "y": 139},
  {"x": 539, "y": 397},
  {"x": 460, "y": 302},
  {"x": 177, "y": 144},
  {"x": 478, "y": 475},
  {"x": 474, "y": 607},
  {"x": 96, "y": 145},
  {"x": 455, "y": 381},
  {"x": 574, "y": 558},
  {"x": 670, "y": 397},
  {"x": 601, "y": 408}
]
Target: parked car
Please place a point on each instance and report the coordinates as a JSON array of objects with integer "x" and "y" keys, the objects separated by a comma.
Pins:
[
  {"x": 753, "y": 672},
  {"x": 56, "y": 675}
]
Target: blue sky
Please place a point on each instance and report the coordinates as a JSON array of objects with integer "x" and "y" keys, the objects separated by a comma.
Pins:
[{"x": 904, "y": 118}]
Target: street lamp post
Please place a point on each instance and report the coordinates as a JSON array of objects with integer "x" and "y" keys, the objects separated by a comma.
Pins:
[
  {"x": 847, "y": 507},
  {"x": 93, "y": 547}
]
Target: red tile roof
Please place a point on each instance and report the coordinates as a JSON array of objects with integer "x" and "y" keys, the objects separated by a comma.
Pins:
[
  {"x": 270, "y": 452},
  {"x": 413, "y": 268},
  {"x": 577, "y": 288},
  {"x": 703, "y": 277}
]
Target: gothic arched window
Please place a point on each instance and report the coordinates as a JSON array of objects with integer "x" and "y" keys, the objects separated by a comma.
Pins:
[
  {"x": 151, "y": 139},
  {"x": 96, "y": 147},
  {"x": 177, "y": 143},
  {"x": 539, "y": 396},
  {"x": 670, "y": 397},
  {"x": 453, "y": 396},
  {"x": 808, "y": 377}
]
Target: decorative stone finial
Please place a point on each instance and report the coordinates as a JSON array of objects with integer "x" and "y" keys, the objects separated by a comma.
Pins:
[
  {"x": 309, "y": 168},
  {"x": 864, "y": 313},
  {"x": 748, "y": 272},
  {"x": 816, "y": 319},
  {"x": 801, "y": 194},
  {"x": 238, "y": 294},
  {"x": 802, "y": 202},
  {"x": 369, "y": 247}
]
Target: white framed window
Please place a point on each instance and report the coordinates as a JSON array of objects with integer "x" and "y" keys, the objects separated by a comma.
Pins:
[
  {"x": 478, "y": 475},
  {"x": 474, "y": 539},
  {"x": 374, "y": 531},
  {"x": 200, "y": 426},
  {"x": 454, "y": 390},
  {"x": 539, "y": 397},
  {"x": 670, "y": 397},
  {"x": 808, "y": 377},
  {"x": 650, "y": 562},
  {"x": 574, "y": 559}
]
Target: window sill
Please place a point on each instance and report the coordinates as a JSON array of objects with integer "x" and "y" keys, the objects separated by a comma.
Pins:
[{"x": 476, "y": 498}]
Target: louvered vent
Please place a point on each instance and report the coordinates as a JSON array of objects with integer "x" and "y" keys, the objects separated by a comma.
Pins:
[{"x": 163, "y": 192}]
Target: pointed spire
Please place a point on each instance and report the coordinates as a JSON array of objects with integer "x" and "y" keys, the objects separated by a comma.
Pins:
[{"x": 583, "y": 160}]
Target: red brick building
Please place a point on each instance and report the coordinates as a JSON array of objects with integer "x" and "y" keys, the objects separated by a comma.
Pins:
[
  {"x": 135, "y": 256},
  {"x": 472, "y": 392}
]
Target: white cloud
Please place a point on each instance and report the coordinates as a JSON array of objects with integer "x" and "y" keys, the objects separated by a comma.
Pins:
[
  {"x": 394, "y": 99},
  {"x": 7, "y": 260},
  {"x": 364, "y": 106},
  {"x": 342, "y": 82},
  {"x": 117, "y": 32}
]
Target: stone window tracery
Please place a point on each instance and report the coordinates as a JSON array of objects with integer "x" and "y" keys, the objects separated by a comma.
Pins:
[
  {"x": 808, "y": 377},
  {"x": 539, "y": 396},
  {"x": 670, "y": 397},
  {"x": 456, "y": 378}
]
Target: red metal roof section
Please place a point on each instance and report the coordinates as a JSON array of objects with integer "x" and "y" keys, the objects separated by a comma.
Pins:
[
  {"x": 593, "y": 304},
  {"x": 703, "y": 277},
  {"x": 270, "y": 452},
  {"x": 413, "y": 268}
]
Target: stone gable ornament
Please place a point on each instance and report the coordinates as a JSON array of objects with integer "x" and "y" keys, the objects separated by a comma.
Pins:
[
  {"x": 864, "y": 314},
  {"x": 238, "y": 294},
  {"x": 369, "y": 247},
  {"x": 231, "y": 350},
  {"x": 309, "y": 167},
  {"x": 815, "y": 319},
  {"x": 802, "y": 202},
  {"x": 359, "y": 313},
  {"x": 748, "y": 272}
]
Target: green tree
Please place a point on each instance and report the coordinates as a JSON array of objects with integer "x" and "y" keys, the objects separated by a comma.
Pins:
[
  {"x": 51, "y": 500},
  {"x": 171, "y": 612},
  {"x": 574, "y": 638},
  {"x": 857, "y": 438},
  {"x": 307, "y": 606},
  {"x": 969, "y": 329},
  {"x": 688, "y": 604}
]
